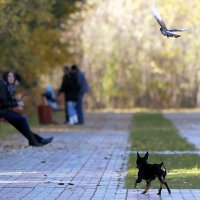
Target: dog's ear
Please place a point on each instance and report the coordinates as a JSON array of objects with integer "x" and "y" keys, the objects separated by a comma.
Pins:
[
  {"x": 138, "y": 155},
  {"x": 146, "y": 155}
]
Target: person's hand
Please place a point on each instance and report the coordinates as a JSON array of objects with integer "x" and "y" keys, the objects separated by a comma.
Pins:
[
  {"x": 19, "y": 96},
  {"x": 19, "y": 109},
  {"x": 20, "y": 104}
]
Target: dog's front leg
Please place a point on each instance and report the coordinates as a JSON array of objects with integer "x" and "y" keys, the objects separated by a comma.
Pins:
[
  {"x": 147, "y": 187},
  {"x": 139, "y": 180},
  {"x": 135, "y": 185}
]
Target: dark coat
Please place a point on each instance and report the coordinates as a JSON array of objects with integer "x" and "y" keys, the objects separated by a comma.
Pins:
[
  {"x": 70, "y": 87},
  {"x": 7, "y": 99},
  {"x": 84, "y": 87},
  {"x": 65, "y": 82},
  {"x": 73, "y": 88}
]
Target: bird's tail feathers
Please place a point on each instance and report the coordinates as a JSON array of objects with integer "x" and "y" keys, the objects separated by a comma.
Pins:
[
  {"x": 186, "y": 29},
  {"x": 179, "y": 30}
]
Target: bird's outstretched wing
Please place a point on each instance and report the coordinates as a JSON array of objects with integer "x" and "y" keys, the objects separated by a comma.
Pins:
[
  {"x": 172, "y": 34},
  {"x": 157, "y": 17},
  {"x": 179, "y": 30}
]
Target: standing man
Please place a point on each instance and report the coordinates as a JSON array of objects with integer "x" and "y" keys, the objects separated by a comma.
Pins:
[
  {"x": 84, "y": 88},
  {"x": 64, "y": 87}
]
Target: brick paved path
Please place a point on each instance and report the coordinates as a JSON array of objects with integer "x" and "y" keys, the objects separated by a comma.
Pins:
[
  {"x": 188, "y": 125},
  {"x": 82, "y": 163}
]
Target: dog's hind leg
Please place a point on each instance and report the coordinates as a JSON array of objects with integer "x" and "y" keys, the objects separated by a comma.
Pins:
[
  {"x": 163, "y": 181},
  {"x": 159, "y": 191},
  {"x": 147, "y": 187},
  {"x": 166, "y": 185}
]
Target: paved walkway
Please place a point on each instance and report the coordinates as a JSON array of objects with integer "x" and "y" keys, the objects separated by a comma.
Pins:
[
  {"x": 188, "y": 125},
  {"x": 82, "y": 163}
]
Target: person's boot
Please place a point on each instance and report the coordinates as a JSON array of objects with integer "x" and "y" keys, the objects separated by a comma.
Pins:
[
  {"x": 45, "y": 141},
  {"x": 41, "y": 140},
  {"x": 33, "y": 142}
]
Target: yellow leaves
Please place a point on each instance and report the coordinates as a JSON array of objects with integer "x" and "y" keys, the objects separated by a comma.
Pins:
[
  {"x": 115, "y": 38},
  {"x": 47, "y": 48},
  {"x": 121, "y": 32},
  {"x": 132, "y": 172},
  {"x": 155, "y": 68},
  {"x": 3, "y": 1}
]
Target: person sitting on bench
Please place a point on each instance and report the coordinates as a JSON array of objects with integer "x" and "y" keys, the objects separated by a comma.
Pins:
[{"x": 8, "y": 101}]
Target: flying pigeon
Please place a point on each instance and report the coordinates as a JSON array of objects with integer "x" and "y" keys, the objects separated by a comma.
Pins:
[{"x": 164, "y": 30}]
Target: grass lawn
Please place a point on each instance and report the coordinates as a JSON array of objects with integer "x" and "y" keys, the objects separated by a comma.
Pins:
[{"x": 150, "y": 131}]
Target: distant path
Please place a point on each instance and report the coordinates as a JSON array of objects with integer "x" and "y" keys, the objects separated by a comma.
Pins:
[{"x": 188, "y": 125}]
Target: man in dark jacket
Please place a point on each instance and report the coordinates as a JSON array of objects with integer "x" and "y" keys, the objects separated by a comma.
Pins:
[
  {"x": 8, "y": 101},
  {"x": 63, "y": 89},
  {"x": 84, "y": 88}
]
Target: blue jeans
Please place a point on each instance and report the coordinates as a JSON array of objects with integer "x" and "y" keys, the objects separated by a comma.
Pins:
[
  {"x": 20, "y": 123},
  {"x": 71, "y": 107},
  {"x": 80, "y": 111}
]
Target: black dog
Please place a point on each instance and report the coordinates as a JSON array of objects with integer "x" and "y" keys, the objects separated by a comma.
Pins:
[{"x": 149, "y": 172}]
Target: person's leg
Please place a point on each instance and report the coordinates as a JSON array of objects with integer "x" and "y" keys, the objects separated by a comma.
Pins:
[
  {"x": 66, "y": 112},
  {"x": 74, "y": 115},
  {"x": 70, "y": 111},
  {"x": 79, "y": 109},
  {"x": 21, "y": 124}
]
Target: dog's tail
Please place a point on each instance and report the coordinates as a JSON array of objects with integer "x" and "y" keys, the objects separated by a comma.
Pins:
[{"x": 162, "y": 166}]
